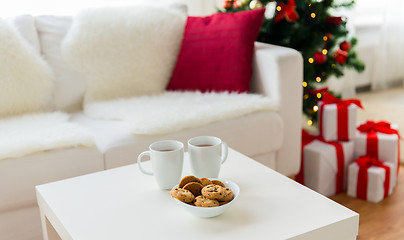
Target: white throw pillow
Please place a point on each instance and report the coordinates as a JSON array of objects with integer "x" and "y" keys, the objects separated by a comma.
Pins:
[
  {"x": 25, "y": 25},
  {"x": 26, "y": 83},
  {"x": 125, "y": 52},
  {"x": 70, "y": 86}
]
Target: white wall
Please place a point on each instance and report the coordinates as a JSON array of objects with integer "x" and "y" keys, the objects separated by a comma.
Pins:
[{"x": 69, "y": 7}]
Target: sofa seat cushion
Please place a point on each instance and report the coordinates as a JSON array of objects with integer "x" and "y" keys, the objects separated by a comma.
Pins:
[
  {"x": 174, "y": 111},
  {"x": 31, "y": 133},
  {"x": 252, "y": 134},
  {"x": 19, "y": 176}
]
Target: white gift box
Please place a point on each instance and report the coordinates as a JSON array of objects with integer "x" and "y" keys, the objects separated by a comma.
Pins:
[
  {"x": 388, "y": 148},
  {"x": 329, "y": 123},
  {"x": 320, "y": 166},
  {"x": 376, "y": 177}
]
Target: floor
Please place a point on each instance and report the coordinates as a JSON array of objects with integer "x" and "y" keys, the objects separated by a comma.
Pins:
[{"x": 384, "y": 220}]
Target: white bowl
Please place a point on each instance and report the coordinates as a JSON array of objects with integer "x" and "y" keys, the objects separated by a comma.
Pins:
[{"x": 208, "y": 212}]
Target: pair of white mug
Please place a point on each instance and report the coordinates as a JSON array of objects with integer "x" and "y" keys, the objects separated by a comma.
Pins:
[{"x": 206, "y": 155}]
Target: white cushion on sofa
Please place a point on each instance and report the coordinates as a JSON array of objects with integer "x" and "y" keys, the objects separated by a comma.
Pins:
[
  {"x": 69, "y": 85},
  {"x": 25, "y": 78},
  {"x": 25, "y": 25},
  {"x": 125, "y": 51}
]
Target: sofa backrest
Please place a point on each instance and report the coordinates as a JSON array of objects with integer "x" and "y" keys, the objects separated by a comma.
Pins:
[{"x": 70, "y": 86}]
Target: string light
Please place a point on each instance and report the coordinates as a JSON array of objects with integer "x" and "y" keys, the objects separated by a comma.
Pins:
[
  {"x": 278, "y": 8},
  {"x": 315, "y": 108},
  {"x": 306, "y": 96},
  {"x": 333, "y": 65},
  {"x": 313, "y": 15},
  {"x": 311, "y": 60},
  {"x": 325, "y": 38},
  {"x": 319, "y": 95},
  {"x": 304, "y": 84},
  {"x": 324, "y": 51},
  {"x": 318, "y": 79},
  {"x": 310, "y": 122}
]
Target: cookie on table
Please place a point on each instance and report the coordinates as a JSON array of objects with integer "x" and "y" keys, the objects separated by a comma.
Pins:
[
  {"x": 205, "y": 181},
  {"x": 185, "y": 196},
  {"x": 194, "y": 187},
  {"x": 201, "y": 201},
  {"x": 217, "y": 182},
  {"x": 188, "y": 179},
  {"x": 213, "y": 191}
]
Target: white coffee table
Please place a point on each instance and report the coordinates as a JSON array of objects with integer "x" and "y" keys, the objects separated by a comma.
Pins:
[{"x": 122, "y": 203}]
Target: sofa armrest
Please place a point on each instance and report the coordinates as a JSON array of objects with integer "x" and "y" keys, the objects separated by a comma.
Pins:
[{"x": 278, "y": 73}]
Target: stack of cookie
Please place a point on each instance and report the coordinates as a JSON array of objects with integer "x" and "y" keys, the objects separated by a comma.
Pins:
[{"x": 202, "y": 192}]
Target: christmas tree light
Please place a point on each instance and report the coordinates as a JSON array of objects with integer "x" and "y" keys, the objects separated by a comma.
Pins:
[{"x": 309, "y": 27}]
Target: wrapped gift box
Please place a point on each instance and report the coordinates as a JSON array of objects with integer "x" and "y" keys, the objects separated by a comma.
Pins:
[
  {"x": 375, "y": 190},
  {"x": 385, "y": 147},
  {"x": 321, "y": 165},
  {"x": 337, "y": 118}
]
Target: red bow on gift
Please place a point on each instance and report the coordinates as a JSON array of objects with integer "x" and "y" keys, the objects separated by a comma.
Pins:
[
  {"x": 368, "y": 161},
  {"x": 382, "y": 126},
  {"x": 328, "y": 98},
  {"x": 364, "y": 163},
  {"x": 371, "y": 128},
  {"x": 287, "y": 11}
]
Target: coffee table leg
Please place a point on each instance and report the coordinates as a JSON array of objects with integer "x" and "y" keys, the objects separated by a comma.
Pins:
[{"x": 48, "y": 231}]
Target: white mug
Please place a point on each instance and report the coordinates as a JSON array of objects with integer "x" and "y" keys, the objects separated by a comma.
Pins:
[
  {"x": 167, "y": 159},
  {"x": 206, "y": 155}
]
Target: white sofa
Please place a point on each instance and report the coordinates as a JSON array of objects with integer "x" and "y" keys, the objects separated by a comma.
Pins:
[{"x": 270, "y": 137}]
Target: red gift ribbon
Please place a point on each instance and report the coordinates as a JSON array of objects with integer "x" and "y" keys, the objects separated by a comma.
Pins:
[
  {"x": 342, "y": 114},
  {"x": 364, "y": 163},
  {"x": 308, "y": 138},
  {"x": 371, "y": 128}
]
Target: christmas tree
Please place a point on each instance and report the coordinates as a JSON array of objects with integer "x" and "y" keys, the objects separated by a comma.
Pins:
[{"x": 309, "y": 27}]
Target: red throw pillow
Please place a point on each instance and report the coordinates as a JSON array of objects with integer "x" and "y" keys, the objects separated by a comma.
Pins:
[{"x": 216, "y": 52}]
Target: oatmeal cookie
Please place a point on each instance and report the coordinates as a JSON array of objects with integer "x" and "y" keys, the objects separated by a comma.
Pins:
[
  {"x": 185, "y": 196},
  {"x": 194, "y": 187},
  {"x": 217, "y": 182},
  {"x": 205, "y": 181},
  {"x": 228, "y": 195},
  {"x": 188, "y": 179},
  {"x": 201, "y": 201},
  {"x": 213, "y": 191}
]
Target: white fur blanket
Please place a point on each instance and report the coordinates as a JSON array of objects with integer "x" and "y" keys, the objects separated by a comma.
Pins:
[
  {"x": 174, "y": 111},
  {"x": 32, "y": 133},
  {"x": 125, "y": 51},
  {"x": 26, "y": 80}
]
